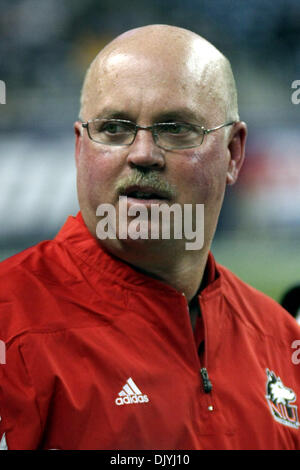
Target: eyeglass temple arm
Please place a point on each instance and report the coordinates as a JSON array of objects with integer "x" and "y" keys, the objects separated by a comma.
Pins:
[{"x": 207, "y": 131}]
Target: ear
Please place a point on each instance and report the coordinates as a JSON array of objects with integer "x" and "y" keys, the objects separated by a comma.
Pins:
[
  {"x": 236, "y": 147},
  {"x": 78, "y": 140}
]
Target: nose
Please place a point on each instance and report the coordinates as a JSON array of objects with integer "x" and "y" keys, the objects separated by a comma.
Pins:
[{"x": 144, "y": 152}]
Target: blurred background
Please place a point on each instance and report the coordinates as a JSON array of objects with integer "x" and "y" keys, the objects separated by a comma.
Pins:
[{"x": 45, "y": 48}]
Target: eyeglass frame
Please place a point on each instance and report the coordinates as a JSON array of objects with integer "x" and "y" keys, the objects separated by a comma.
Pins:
[{"x": 205, "y": 131}]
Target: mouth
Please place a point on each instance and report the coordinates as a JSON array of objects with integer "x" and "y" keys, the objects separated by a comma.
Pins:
[{"x": 144, "y": 193}]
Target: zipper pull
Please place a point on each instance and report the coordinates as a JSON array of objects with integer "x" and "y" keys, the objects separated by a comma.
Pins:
[{"x": 207, "y": 385}]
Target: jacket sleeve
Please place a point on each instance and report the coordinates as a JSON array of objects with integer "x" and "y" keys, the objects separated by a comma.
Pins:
[{"x": 20, "y": 425}]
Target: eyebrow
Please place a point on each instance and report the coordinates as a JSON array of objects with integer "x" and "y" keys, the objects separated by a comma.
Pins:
[
  {"x": 108, "y": 113},
  {"x": 180, "y": 114}
]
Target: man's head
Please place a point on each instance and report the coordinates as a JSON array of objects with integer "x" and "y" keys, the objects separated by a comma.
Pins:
[
  {"x": 157, "y": 74},
  {"x": 178, "y": 51}
]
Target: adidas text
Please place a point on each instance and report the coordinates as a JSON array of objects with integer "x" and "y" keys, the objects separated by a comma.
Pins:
[{"x": 128, "y": 400}]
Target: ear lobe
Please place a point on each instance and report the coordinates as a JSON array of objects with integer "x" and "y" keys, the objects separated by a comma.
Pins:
[
  {"x": 236, "y": 149},
  {"x": 231, "y": 176},
  {"x": 78, "y": 140}
]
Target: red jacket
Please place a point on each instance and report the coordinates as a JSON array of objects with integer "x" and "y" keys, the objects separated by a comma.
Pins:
[{"x": 100, "y": 356}]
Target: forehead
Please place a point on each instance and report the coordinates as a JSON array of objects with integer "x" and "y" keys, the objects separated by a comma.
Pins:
[{"x": 152, "y": 85}]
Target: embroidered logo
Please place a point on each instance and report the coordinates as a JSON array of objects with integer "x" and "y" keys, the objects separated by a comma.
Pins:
[
  {"x": 279, "y": 398},
  {"x": 130, "y": 393}
]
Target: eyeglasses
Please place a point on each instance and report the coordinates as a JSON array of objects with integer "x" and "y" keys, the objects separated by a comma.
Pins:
[{"x": 166, "y": 135}]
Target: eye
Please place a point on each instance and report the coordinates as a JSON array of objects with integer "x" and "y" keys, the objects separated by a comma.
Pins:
[
  {"x": 175, "y": 128},
  {"x": 112, "y": 131},
  {"x": 112, "y": 127}
]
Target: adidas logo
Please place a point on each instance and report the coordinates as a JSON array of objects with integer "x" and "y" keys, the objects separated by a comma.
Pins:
[{"x": 130, "y": 393}]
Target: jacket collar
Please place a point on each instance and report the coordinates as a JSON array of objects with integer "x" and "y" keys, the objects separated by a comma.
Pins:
[{"x": 89, "y": 251}]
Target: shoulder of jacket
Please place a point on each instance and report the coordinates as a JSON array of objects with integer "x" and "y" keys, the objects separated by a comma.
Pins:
[
  {"x": 258, "y": 310},
  {"x": 24, "y": 258},
  {"x": 32, "y": 264},
  {"x": 26, "y": 283}
]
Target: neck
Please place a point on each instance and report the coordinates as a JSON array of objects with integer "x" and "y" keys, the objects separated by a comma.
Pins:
[{"x": 184, "y": 278}]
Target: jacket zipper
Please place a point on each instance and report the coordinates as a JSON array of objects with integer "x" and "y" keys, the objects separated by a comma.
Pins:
[{"x": 207, "y": 385}]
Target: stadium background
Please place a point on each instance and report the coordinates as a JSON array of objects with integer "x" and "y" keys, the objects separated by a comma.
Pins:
[{"x": 45, "y": 47}]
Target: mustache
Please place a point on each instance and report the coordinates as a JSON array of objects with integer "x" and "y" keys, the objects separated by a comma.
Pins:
[{"x": 144, "y": 180}]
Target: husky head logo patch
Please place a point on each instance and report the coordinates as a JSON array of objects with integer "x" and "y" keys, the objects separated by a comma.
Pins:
[{"x": 280, "y": 398}]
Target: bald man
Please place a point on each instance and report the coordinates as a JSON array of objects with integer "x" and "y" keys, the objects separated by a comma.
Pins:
[{"x": 117, "y": 336}]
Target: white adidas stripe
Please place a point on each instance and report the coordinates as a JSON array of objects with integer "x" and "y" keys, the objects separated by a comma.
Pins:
[
  {"x": 130, "y": 388},
  {"x": 3, "y": 445},
  {"x": 133, "y": 386}
]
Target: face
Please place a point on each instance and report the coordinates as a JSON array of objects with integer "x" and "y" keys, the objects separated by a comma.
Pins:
[{"x": 145, "y": 90}]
